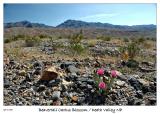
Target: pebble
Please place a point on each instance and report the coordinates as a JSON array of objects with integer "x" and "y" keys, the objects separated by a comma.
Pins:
[
  {"x": 75, "y": 98},
  {"x": 24, "y": 87},
  {"x": 120, "y": 83},
  {"x": 7, "y": 83},
  {"x": 56, "y": 95},
  {"x": 41, "y": 88},
  {"x": 22, "y": 72}
]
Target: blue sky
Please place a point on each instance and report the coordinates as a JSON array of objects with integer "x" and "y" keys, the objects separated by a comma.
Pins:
[{"x": 54, "y": 14}]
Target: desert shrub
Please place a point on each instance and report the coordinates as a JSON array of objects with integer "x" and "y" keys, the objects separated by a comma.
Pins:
[
  {"x": 76, "y": 38},
  {"x": 92, "y": 43},
  {"x": 141, "y": 39},
  {"x": 60, "y": 37},
  {"x": 77, "y": 49},
  {"x": 42, "y": 36},
  {"x": 147, "y": 45},
  {"x": 75, "y": 43},
  {"x": 123, "y": 49},
  {"x": 153, "y": 39},
  {"x": 126, "y": 40},
  {"x": 7, "y": 40},
  {"x": 14, "y": 38},
  {"x": 17, "y": 37},
  {"x": 129, "y": 51},
  {"x": 132, "y": 49},
  {"x": 104, "y": 38},
  {"x": 52, "y": 39},
  {"x": 107, "y": 38},
  {"x": 16, "y": 53},
  {"x": 99, "y": 37},
  {"x": 32, "y": 41}
]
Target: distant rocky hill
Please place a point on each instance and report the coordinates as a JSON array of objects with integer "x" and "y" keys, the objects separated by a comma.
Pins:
[
  {"x": 25, "y": 24},
  {"x": 82, "y": 24},
  {"x": 90, "y": 29}
]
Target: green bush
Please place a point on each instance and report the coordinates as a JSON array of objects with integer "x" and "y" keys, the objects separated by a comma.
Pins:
[
  {"x": 133, "y": 49},
  {"x": 105, "y": 38},
  {"x": 32, "y": 41},
  {"x": 153, "y": 39},
  {"x": 41, "y": 36},
  {"x": 126, "y": 40},
  {"x": 141, "y": 39},
  {"x": 77, "y": 49},
  {"x": 60, "y": 37},
  {"x": 76, "y": 38},
  {"x": 75, "y": 43},
  {"x": 17, "y": 37},
  {"x": 122, "y": 49},
  {"x": 7, "y": 40},
  {"x": 14, "y": 38}
]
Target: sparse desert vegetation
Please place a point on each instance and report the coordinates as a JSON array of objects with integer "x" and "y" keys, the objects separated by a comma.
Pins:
[{"x": 63, "y": 66}]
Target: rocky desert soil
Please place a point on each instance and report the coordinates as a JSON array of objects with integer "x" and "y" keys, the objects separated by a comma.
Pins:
[{"x": 41, "y": 77}]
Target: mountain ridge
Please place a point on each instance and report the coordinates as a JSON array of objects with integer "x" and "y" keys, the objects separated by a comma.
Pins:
[
  {"x": 80, "y": 24},
  {"x": 26, "y": 24}
]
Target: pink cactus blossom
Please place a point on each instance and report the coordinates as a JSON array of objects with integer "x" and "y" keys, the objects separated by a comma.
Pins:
[
  {"x": 100, "y": 72},
  {"x": 102, "y": 85},
  {"x": 113, "y": 73}
]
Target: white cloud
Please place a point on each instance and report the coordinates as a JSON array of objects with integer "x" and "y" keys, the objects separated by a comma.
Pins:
[{"x": 99, "y": 16}]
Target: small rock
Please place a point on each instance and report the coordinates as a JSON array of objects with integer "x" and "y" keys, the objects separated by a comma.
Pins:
[
  {"x": 82, "y": 79},
  {"x": 6, "y": 60},
  {"x": 123, "y": 77},
  {"x": 54, "y": 82},
  {"x": 139, "y": 94},
  {"x": 64, "y": 88},
  {"x": 132, "y": 64},
  {"x": 89, "y": 87},
  {"x": 81, "y": 100},
  {"x": 37, "y": 64},
  {"x": 122, "y": 101},
  {"x": 120, "y": 83},
  {"x": 143, "y": 82},
  {"x": 49, "y": 74},
  {"x": 5, "y": 92},
  {"x": 75, "y": 98},
  {"x": 148, "y": 63},
  {"x": 12, "y": 62},
  {"x": 131, "y": 100},
  {"x": 99, "y": 100},
  {"x": 66, "y": 94},
  {"x": 55, "y": 88},
  {"x": 146, "y": 89},
  {"x": 65, "y": 65},
  {"x": 6, "y": 83},
  {"x": 37, "y": 71},
  {"x": 138, "y": 102},
  {"x": 56, "y": 103},
  {"x": 67, "y": 78},
  {"x": 64, "y": 82},
  {"x": 41, "y": 88},
  {"x": 90, "y": 81},
  {"x": 49, "y": 102},
  {"x": 22, "y": 72},
  {"x": 72, "y": 69},
  {"x": 135, "y": 83},
  {"x": 83, "y": 86},
  {"x": 143, "y": 69},
  {"x": 56, "y": 95}
]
